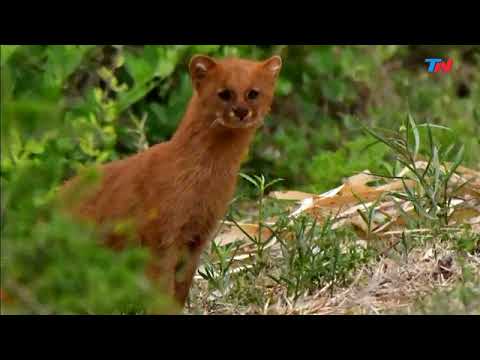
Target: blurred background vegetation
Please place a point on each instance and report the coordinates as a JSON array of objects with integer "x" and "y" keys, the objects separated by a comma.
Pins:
[{"x": 64, "y": 107}]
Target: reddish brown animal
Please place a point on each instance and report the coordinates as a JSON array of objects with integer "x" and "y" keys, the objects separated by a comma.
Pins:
[{"x": 176, "y": 192}]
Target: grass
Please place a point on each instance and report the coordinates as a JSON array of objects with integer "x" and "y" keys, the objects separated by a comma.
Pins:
[{"x": 427, "y": 261}]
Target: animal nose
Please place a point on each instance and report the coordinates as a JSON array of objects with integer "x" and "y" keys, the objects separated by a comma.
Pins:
[{"x": 240, "y": 112}]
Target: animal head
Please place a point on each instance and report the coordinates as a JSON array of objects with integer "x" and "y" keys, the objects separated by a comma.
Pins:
[{"x": 237, "y": 93}]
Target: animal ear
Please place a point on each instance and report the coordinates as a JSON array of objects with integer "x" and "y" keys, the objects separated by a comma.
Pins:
[
  {"x": 200, "y": 66},
  {"x": 273, "y": 65}
]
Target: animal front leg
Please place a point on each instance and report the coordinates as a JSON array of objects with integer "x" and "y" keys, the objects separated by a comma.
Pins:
[
  {"x": 185, "y": 270},
  {"x": 161, "y": 270}
]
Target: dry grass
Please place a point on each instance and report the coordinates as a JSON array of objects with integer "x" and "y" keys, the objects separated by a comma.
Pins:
[
  {"x": 389, "y": 286},
  {"x": 392, "y": 284},
  {"x": 410, "y": 265}
]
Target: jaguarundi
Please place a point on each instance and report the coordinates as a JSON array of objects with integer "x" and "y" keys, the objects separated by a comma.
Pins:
[{"x": 175, "y": 193}]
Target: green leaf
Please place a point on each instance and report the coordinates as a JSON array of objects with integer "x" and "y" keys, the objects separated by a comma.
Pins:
[
  {"x": 62, "y": 61},
  {"x": 456, "y": 163},
  {"x": 435, "y": 126},
  {"x": 5, "y": 52},
  {"x": 271, "y": 183},
  {"x": 250, "y": 179},
  {"x": 205, "y": 49},
  {"x": 416, "y": 135}
]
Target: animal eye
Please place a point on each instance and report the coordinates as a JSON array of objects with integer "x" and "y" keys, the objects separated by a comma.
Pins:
[
  {"x": 225, "y": 95},
  {"x": 253, "y": 94}
]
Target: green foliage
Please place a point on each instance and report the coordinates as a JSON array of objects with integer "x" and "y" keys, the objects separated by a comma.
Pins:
[
  {"x": 51, "y": 264},
  {"x": 318, "y": 257},
  {"x": 356, "y": 156},
  {"x": 311, "y": 257},
  {"x": 431, "y": 198}
]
